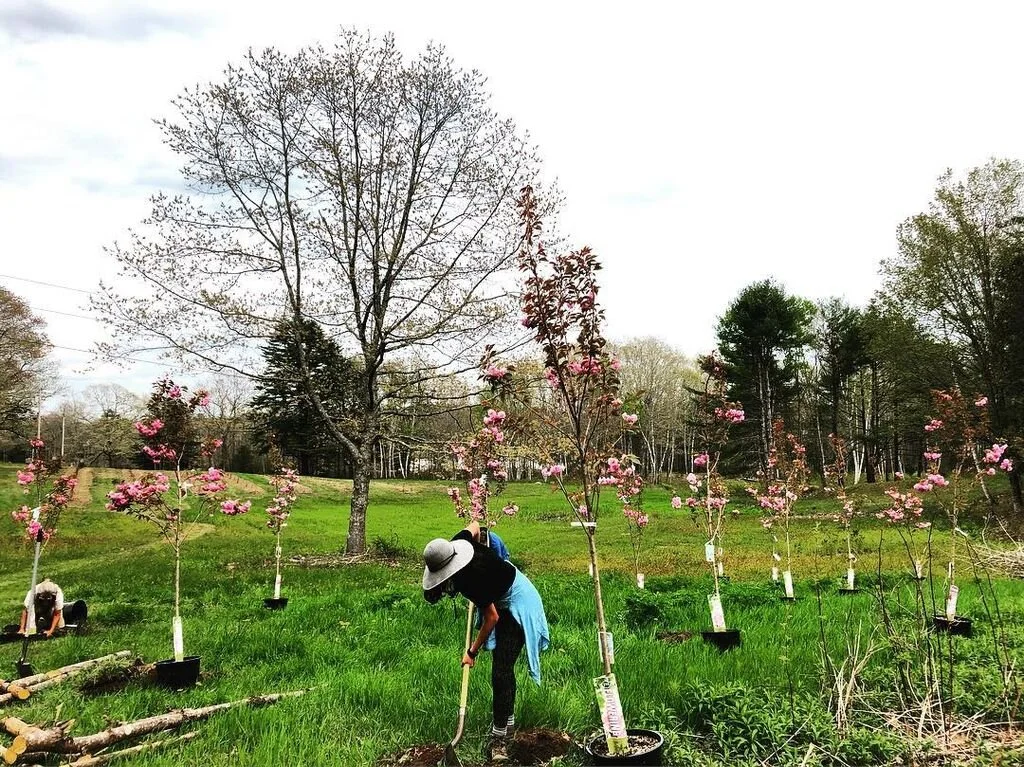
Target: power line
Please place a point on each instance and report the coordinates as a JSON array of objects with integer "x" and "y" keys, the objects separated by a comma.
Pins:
[
  {"x": 65, "y": 314},
  {"x": 47, "y": 284}
]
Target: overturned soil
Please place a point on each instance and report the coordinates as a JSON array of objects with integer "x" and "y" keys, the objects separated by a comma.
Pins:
[
  {"x": 532, "y": 748},
  {"x": 115, "y": 677}
]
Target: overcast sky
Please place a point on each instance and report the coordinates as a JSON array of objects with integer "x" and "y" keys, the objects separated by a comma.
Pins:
[{"x": 700, "y": 146}]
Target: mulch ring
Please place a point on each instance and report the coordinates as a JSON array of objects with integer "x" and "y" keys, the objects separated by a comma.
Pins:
[
  {"x": 529, "y": 747},
  {"x": 675, "y": 636}
]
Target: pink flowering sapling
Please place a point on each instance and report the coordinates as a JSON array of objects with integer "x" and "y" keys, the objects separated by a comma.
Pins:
[
  {"x": 480, "y": 459},
  {"x": 174, "y": 499},
  {"x": 714, "y": 417},
  {"x": 285, "y": 484},
  {"x": 52, "y": 491},
  {"x": 953, "y": 435},
  {"x": 780, "y": 488},
  {"x": 559, "y": 303},
  {"x": 835, "y": 478}
]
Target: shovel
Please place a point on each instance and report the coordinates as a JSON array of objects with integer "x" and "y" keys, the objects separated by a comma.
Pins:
[{"x": 450, "y": 758}]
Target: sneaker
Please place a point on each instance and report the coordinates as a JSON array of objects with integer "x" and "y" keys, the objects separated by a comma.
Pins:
[{"x": 497, "y": 750}]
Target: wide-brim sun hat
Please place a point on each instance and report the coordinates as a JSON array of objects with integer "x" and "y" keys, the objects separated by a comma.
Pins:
[{"x": 443, "y": 559}]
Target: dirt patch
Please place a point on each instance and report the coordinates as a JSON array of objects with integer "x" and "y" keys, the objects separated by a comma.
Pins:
[
  {"x": 529, "y": 748},
  {"x": 538, "y": 746},
  {"x": 674, "y": 637},
  {"x": 83, "y": 490},
  {"x": 245, "y": 486},
  {"x": 329, "y": 561},
  {"x": 427, "y": 755}
]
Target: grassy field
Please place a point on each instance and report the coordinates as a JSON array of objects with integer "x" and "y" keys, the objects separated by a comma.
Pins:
[{"x": 382, "y": 666}]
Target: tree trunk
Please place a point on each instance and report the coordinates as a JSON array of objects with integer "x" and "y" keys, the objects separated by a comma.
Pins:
[{"x": 362, "y": 468}]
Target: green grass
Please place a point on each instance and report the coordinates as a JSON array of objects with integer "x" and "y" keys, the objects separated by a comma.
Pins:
[{"x": 383, "y": 666}]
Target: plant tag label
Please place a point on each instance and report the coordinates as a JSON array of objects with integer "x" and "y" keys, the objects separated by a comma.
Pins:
[
  {"x": 918, "y": 569},
  {"x": 590, "y": 569},
  {"x": 776, "y": 556},
  {"x": 577, "y": 523},
  {"x": 35, "y": 514},
  {"x": 954, "y": 592},
  {"x": 850, "y": 577},
  {"x": 775, "y": 575},
  {"x": 717, "y": 614},
  {"x": 721, "y": 567},
  {"x": 787, "y": 580},
  {"x": 609, "y": 643},
  {"x": 709, "y": 552},
  {"x": 852, "y": 557},
  {"x": 640, "y": 580},
  {"x": 277, "y": 586},
  {"x": 611, "y": 714},
  {"x": 179, "y": 641}
]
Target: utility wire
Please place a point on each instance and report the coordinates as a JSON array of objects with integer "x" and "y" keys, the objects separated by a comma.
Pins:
[{"x": 47, "y": 284}]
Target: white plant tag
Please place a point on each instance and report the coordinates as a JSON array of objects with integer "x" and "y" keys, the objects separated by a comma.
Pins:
[
  {"x": 721, "y": 567},
  {"x": 850, "y": 576},
  {"x": 717, "y": 614},
  {"x": 787, "y": 579},
  {"x": 918, "y": 569},
  {"x": 776, "y": 556},
  {"x": 179, "y": 641},
  {"x": 709, "y": 552},
  {"x": 590, "y": 569},
  {"x": 775, "y": 575},
  {"x": 609, "y": 644},
  {"x": 277, "y": 586},
  {"x": 611, "y": 714},
  {"x": 640, "y": 580},
  {"x": 954, "y": 592}
]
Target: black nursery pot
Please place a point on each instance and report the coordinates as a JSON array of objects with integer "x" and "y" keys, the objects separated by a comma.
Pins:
[
  {"x": 723, "y": 640},
  {"x": 178, "y": 674},
  {"x": 961, "y": 627},
  {"x": 275, "y": 604},
  {"x": 652, "y": 756},
  {"x": 845, "y": 590}
]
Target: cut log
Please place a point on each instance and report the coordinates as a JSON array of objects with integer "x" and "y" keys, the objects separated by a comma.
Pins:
[
  {"x": 49, "y": 678},
  {"x": 13, "y": 688},
  {"x": 25, "y": 734},
  {"x": 54, "y": 739},
  {"x": 93, "y": 761}
]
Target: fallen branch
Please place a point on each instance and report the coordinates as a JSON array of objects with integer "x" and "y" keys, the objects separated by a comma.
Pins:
[
  {"x": 55, "y": 740},
  {"x": 92, "y": 761}
]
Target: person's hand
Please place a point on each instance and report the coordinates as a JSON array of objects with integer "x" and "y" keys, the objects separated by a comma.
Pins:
[
  {"x": 48, "y": 633},
  {"x": 467, "y": 661}
]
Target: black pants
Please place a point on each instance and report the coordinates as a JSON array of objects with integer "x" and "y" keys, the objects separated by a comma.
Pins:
[{"x": 509, "y": 641}]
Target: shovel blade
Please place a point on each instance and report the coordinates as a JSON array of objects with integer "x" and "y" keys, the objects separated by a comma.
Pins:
[
  {"x": 450, "y": 758},
  {"x": 24, "y": 669}
]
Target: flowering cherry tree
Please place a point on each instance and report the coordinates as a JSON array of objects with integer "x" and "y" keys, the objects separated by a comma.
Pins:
[
  {"x": 560, "y": 308},
  {"x": 285, "y": 483},
  {"x": 780, "y": 487},
  {"x": 175, "y": 498},
  {"x": 481, "y": 460},
  {"x": 835, "y": 479},
  {"x": 953, "y": 436},
  {"x": 53, "y": 492},
  {"x": 714, "y": 416}
]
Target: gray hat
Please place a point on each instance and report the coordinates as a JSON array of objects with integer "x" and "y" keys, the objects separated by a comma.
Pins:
[{"x": 443, "y": 559}]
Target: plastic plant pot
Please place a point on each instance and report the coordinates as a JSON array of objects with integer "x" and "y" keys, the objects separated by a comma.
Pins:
[
  {"x": 845, "y": 590},
  {"x": 961, "y": 627},
  {"x": 723, "y": 640},
  {"x": 784, "y": 598},
  {"x": 649, "y": 756},
  {"x": 275, "y": 604},
  {"x": 178, "y": 674}
]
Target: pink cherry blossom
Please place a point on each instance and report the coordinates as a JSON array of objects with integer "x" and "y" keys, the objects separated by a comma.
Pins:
[
  {"x": 1006, "y": 465},
  {"x": 700, "y": 460},
  {"x": 934, "y": 425},
  {"x": 981, "y": 401},
  {"x": 677, "y": 502},
  {"x": 629, "y": 419},
  {"x": 554, "y": 470}
]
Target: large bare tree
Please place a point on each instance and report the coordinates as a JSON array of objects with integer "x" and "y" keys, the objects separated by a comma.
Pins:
[
  {"x": 25, "y": 375},
  {"x": 351, "y": 186}
]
